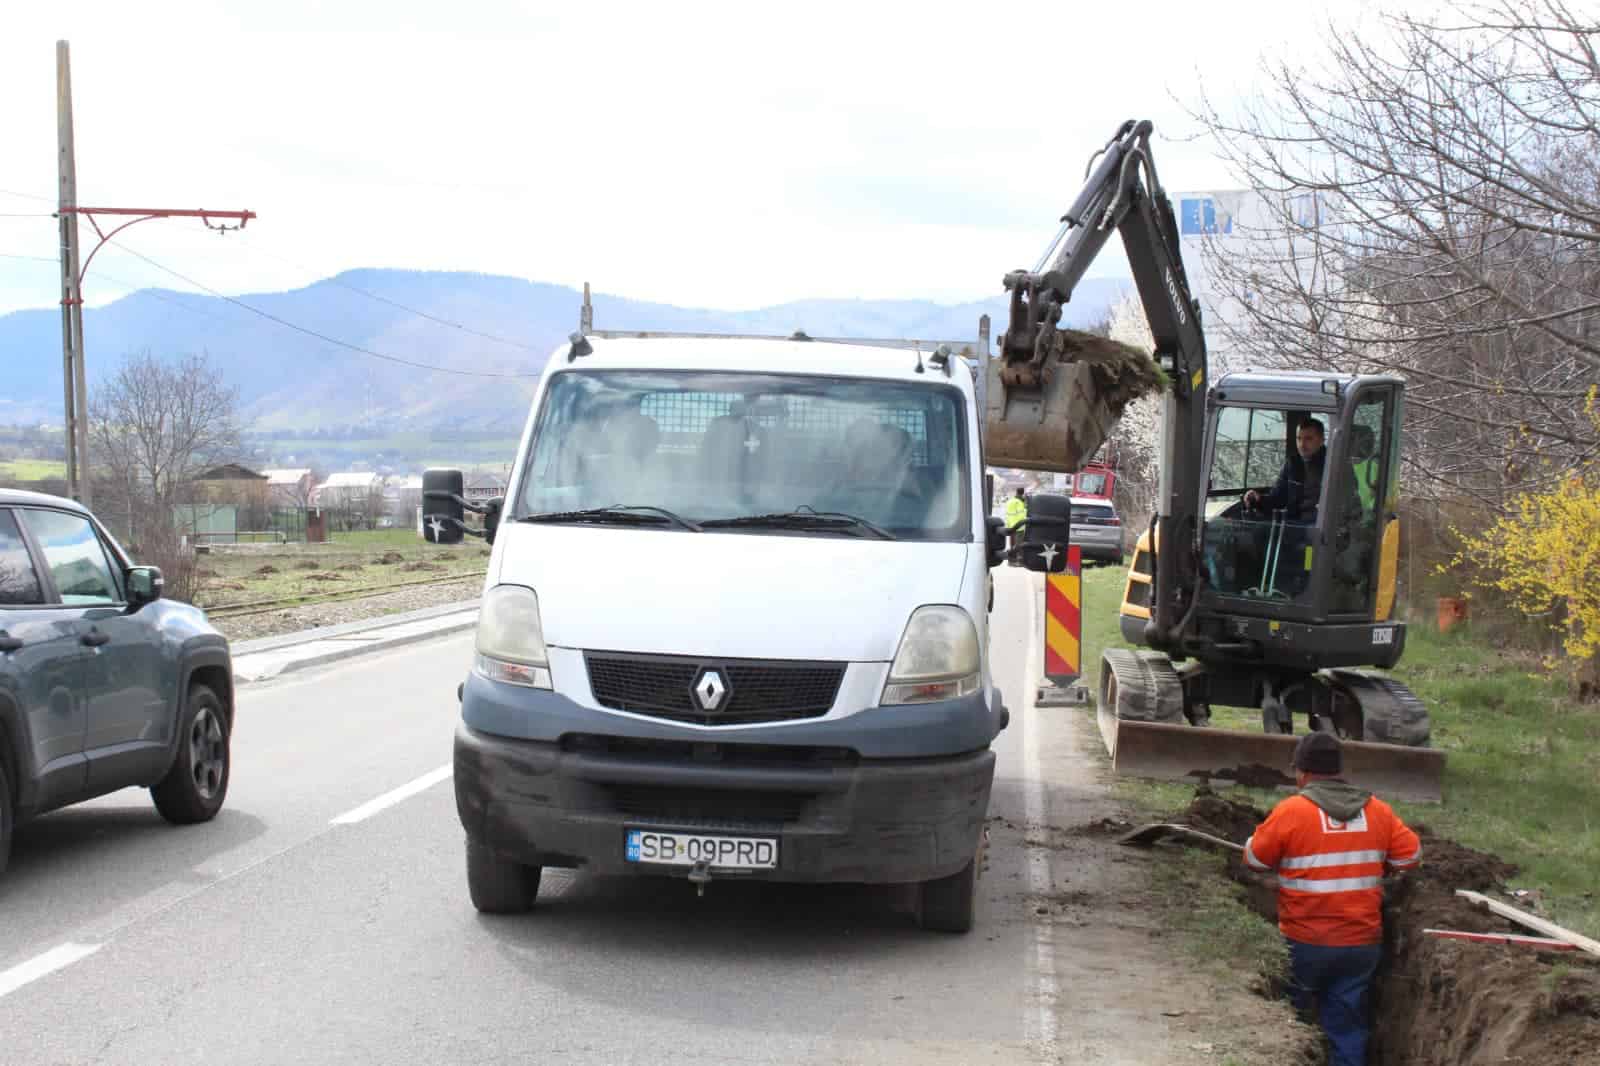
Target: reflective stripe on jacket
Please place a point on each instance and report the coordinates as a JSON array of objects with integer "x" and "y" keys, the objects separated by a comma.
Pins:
[{"x": 1330, "y": 872}]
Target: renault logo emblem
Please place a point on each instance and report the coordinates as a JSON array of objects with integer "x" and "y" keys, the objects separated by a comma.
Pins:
[{"x": 710, "y": 690}]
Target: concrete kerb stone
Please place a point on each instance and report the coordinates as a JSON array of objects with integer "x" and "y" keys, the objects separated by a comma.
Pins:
[{"x": 278, "y": 651}]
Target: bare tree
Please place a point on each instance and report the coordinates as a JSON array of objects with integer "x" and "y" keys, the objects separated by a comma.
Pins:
[
  {"x": 154, "y": 426},
  {"x": 1432, "y": 208}
]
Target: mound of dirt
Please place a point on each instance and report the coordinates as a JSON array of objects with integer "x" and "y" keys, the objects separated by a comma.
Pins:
[
  {"x": 349, "y": 567},
  {"x": 412, "y": 568},
  {"x": 1226, "y": 818},
  {"x": 307, "y": 564},
  {"x": 1441, "y": 1002},
  {"x": 1467, "y": 1004},
  {"x": 265, "y": 570},
  {"x": 325, "y": 577},
  {"x": 391, "y": 558}
]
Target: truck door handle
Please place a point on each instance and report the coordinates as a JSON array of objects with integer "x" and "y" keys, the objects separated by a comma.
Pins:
[
  {"x": 94, "y": 638},
  {"x": 9, "y": 643}
]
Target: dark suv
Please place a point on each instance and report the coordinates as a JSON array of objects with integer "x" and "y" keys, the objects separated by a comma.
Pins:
[{"x": 103, "y": 684}]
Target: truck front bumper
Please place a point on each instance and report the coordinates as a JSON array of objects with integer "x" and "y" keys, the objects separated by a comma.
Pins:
[{"x": 837, "y": 817}]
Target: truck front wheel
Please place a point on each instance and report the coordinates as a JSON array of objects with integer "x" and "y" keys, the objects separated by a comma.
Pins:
[
  {"x": 498, "y": 885},
  {"x": 948, "y": 904}
]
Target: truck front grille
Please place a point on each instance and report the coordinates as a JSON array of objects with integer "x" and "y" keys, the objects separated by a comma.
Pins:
[{"x": 757, "y": 691}]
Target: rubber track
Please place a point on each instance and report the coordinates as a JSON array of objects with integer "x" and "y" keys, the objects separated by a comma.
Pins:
[
  {"x": 1390, "y": 712},
  {"x": 1148, "y": 689}
]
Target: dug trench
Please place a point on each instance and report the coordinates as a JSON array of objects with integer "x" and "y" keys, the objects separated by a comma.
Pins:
[{"x": 1436, "y": 1001}]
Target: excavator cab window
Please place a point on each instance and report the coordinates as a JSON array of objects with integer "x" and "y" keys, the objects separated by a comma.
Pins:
[
  {"x": 1365, "y": 476},
  {"x": 1261, "y": 516}
]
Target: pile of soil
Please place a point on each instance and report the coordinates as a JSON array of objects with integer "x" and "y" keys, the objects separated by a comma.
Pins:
[
  {"x": 1122, "y": 373},
  {"x": 325, "y": 577},
  {"x": 266, "y": 570},
  {"x": 307, "y": 564},
  {"x": 349, "y": 567},
  {"x": 391, "y": 558},
  {"x": 1442, "y": 1002},
  {"x": 412, "y": 568}
]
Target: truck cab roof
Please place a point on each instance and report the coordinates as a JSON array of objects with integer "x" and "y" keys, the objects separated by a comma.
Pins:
[{"x": 763, "y": 355}]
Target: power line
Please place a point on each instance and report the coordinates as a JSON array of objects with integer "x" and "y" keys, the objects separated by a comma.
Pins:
[
  {"x": 28, "y": 196},
  {"x": 252, "y": 246},
  {"x": 313, "y": 333}
]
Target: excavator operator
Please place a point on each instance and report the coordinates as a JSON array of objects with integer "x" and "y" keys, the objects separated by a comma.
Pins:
[{"x": 1299, "y": 484}]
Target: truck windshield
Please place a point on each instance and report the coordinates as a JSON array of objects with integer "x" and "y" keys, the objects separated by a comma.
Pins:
[{"x": 710, "y": 446}]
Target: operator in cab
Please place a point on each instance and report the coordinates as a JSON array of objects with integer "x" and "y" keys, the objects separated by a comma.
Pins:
[{"x": 1299, "y": 484}]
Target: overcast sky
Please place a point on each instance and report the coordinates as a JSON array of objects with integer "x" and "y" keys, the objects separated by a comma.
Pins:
[{"x": 727, "y": 156}]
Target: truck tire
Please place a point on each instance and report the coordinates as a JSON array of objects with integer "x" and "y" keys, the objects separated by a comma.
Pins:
[
  {"x": 948, "y": 904},
  {"x": 498, "y": 885},
  {"x": 195, "y": 786},
  {"x": 5, "y": 817}
]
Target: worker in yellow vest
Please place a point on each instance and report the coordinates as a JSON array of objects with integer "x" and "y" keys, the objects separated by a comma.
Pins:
[{"x": 1016, "y": 514}]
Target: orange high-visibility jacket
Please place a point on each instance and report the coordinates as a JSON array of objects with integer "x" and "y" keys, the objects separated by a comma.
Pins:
[{"x": 1330, "y": 872}]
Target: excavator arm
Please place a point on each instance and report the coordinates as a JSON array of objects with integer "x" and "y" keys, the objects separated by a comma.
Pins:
[{"x": 1052, "y": 401}]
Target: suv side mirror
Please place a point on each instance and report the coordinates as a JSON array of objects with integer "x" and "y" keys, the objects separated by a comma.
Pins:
[
  {"x": 442, "y": 509},
  {"x": 997, "y": 540},
  {"x": 145, "y": 585}
]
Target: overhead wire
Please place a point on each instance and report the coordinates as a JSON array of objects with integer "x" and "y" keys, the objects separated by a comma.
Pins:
[
  {"x": 325, "y": 338},
  {"x": 258, "y": 250}
]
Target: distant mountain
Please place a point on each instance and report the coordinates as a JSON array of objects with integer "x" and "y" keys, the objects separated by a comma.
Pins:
[{"x": 291, "y": 382}]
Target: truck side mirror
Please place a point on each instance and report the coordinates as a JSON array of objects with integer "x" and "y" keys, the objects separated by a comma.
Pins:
[
  {"x": 997, "y": 540},
  {"x": 491, "y": 517},
  {"x": 442, "y": 509}
]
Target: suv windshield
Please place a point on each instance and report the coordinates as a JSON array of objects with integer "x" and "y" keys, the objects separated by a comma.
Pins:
[{"x": 716, "y": 446}]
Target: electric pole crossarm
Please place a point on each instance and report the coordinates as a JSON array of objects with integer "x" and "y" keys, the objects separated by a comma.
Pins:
[{"x": 144, "y": 214}]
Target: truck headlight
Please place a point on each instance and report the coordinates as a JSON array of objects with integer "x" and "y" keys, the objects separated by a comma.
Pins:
[
  {"x": 510, "y": 639},
  {"x": 938, "y": 658}
]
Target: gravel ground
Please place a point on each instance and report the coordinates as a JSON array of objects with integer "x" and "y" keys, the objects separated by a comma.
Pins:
[{"x": 294, "y": 619}]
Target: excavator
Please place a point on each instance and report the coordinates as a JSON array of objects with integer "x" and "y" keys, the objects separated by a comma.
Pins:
[{"x": 1265, "y": 581}]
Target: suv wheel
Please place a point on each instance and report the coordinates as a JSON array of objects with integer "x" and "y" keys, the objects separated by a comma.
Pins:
[
  {"x": 498, "y": 885},
  {"x": 197, "y": 783},
  {"x": 5, "y": 816},
  {"x": 948, "y": 904}
]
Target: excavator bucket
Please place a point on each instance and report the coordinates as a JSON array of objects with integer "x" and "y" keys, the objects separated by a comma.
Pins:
[
  {"x": 1056, "y": 415},
  {"x": 1168, "y": 752}
]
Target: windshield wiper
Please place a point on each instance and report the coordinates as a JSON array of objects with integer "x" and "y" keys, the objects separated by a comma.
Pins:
[
  {"x": 806, "y": 519},
  {"x": 627, "y": 513}
]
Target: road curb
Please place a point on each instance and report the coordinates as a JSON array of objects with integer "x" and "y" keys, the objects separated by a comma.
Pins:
[{"x": 275, "y": 655}]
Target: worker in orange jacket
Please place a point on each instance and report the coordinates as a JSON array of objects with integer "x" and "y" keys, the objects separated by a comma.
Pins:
[{"x": 1331, "y": 844}]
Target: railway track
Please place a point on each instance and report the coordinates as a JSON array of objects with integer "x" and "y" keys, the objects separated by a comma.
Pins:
[{"x": 242, "y": 610}]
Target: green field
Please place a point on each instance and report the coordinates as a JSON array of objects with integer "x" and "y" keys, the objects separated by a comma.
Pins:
[
  {"x": 365, "y": 561},
  {"x": 1523, "y": 772},
  {"x": 31, "y": 469}
]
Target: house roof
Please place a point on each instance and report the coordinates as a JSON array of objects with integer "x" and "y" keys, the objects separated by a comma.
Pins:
[
  {"x": 230, "y": 472},
  {"x": 350, "y": 480},
  {"x": 285, "y": 476}
]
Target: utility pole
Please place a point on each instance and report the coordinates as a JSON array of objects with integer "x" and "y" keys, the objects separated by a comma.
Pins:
[
  {"x": 74, "y": 386},
  {"x": 72, "y": 374}
]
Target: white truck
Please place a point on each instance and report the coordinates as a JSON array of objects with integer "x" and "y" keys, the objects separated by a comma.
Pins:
[{"x": 735, "y": 622}]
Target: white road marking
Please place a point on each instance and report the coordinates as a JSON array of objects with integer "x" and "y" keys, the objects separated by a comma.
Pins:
[
  {"x": 1040, "y": 881},
  {"x": 390, "y": 798},
  {"x": 44, "y": 964}
]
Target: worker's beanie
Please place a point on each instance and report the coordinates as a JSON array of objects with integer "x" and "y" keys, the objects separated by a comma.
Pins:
[{"x": 1319, "y": 753}]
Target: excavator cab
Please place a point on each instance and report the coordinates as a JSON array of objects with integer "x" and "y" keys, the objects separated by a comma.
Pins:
[{"x": 1299, "y": 501}]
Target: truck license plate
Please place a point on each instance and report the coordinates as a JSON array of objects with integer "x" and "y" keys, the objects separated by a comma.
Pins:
[{"x": 686, "y": 849}]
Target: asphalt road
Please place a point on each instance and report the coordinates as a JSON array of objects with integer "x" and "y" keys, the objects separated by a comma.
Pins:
[{"x": 323, "y": 918}]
